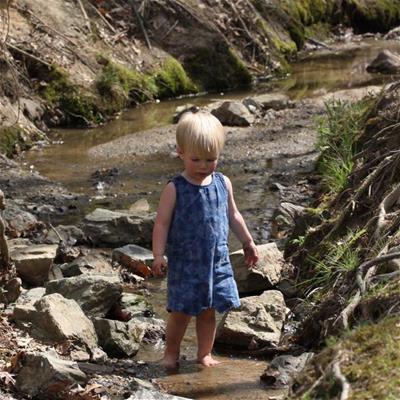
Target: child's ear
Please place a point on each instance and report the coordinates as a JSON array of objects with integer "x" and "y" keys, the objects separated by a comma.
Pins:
[{"x": 179, "y": 151}]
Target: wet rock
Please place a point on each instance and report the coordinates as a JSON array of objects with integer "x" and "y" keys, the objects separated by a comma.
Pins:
[
  {"x": 20, "y": 223},
  {"x": 394, "y": 34},
  {"x": 137, "y": 259},
  {"x": 256, "y": 323},
  {"x": 180, "y": 110},
  {"x": 94, "y": 293},
  {"x": 55, "y": 318},
  {"x": 135, "y": 305},
  {"x": 282, "y": 369},
  {"x": 233, "y": 113},
  {"x": 33, "y": 262},
  {"x": 265, "y": 275},
  {"x": 70, "y": 234},
  {"x": 89, "y": 264},
  {"x": 115, "y": 337},
  {"x": 252, "y": 105},
  {"x": 153, "y": 329},
  {"x": 45, "y": 375},
  {"x": 275, "y": 101},
  {"x": 385, "y": 62},
  {"x": 118, "y": 228}
]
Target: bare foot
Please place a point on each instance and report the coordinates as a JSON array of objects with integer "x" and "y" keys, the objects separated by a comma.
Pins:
[
  {"x": 208, "y": 361},
  {"x": 170, "y": 362}
]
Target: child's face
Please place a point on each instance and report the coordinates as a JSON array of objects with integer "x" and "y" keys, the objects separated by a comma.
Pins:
[{"x": 198, "y": 167}]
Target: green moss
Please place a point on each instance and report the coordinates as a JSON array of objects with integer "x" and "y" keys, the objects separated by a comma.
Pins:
[
  {"x": 121, "y": 86},
  {"x": 217, "y": 68},
  {"x": 369, "y": 359},
  {"x": 284, "y": 47},
  {"x": 171, "y": 80},
  {"x": 78, "y": 104},
  {"x": 373, "y": 368},
  {"x": 13, "y": 136},
  {"x": 372, "y": 16}
]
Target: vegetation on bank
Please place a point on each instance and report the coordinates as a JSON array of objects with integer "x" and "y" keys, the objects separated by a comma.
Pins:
[
  {"x": 349, "y": 271},
  {"x": 369, "y": 358},
  {"x": 338, "y": 131},
  {"x": 13, "y": 139},
  {"x": 117, "y": 87}
]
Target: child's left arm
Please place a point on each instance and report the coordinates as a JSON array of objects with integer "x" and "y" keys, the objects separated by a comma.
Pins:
[{"x": 239, "y": 228}]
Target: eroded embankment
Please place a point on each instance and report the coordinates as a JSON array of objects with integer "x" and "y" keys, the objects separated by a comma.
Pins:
[
  {"x": 79, "y": 66},
  {"x": 348, "y": 259}
]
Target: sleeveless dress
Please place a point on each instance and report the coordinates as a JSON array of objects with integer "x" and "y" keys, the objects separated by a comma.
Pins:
[{"x": 199, "y": 271}]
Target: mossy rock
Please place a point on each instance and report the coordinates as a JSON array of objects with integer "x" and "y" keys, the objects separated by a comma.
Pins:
[
  {"x": 79, "y": 104},
  {"x": 13, "y": 137},
  {"x": 217, "y": 68},
  {"x": 372, "y": 16},
  {"x": 122, "y": 86},
  {"x": 171, "y": 80}
]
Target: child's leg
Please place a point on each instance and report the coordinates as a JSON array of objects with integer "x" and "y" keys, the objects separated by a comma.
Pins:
[
  {"x": 205, "y": 329},
  {"x": 176, "y": 327}
]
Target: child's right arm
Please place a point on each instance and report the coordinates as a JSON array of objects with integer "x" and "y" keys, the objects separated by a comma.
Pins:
[{"x": 161, "y": 227}]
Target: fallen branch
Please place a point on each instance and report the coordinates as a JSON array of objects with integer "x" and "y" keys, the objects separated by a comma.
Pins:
[
  {"x": 85, "y": 16},
  {"x": 39, "y": 60},
  {"x": 102, "y": 18},
  {"x": 140, "y": 21},
  {"x": 385, "y": 205}
]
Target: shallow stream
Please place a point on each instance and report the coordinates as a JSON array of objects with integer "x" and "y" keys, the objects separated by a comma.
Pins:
[{"x": 144, "y": 176}]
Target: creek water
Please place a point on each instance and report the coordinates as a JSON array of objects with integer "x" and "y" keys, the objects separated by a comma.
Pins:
[{"x": 143, "y": 176}]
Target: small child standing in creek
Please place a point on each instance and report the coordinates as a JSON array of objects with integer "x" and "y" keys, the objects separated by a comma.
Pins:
[{"x": 195, "y": 211}]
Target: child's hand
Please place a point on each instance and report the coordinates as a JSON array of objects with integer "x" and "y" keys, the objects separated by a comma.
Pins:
[
  {"x": 250, "y": 254},
  {"x": 159, "y": 266}
]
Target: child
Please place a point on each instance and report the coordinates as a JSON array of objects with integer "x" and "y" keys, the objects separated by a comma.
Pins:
[{"x": 192, "y": 228}]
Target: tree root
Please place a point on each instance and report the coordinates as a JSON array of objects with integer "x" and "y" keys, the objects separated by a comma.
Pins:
[
  {"x": 386, "y": 204},
  {"x": 353, "y": 201},
  {"x": 337, "y": 373},
  {"x": 360, "y": 279}
]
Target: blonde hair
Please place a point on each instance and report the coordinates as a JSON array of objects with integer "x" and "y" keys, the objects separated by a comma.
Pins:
[{"x": 201, "y": 133}]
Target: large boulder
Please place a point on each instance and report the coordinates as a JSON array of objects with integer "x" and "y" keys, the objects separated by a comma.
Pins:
[
  {"x": 33, "y": 262},
  {"x": 20, "y": 223},
  {"x": 256, "y": 323},
  {"x": 233, "y": 113},
  {"x": 95, "y": 294},
  {"x": 47, "y": 376},
  {"x": 118, "y": 228},
  {"x": 265, "y": 275},
  {"x": 116, "y": 338},
  {"x": 385, "y": 62},
  {"x": 56, "y": 319}
]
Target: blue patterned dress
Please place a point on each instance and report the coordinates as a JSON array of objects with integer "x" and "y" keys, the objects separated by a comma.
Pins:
[{"x": 199, "y": 271}]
